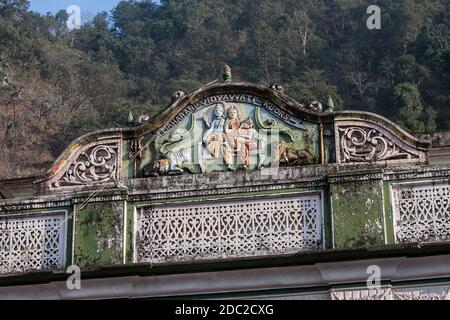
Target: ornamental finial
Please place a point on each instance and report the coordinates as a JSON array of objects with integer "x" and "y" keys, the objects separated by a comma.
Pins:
[
  {"x": 227, "y": 75},
  {"x": 130, "y": 120},
  {"x": 330, "y": 104}
]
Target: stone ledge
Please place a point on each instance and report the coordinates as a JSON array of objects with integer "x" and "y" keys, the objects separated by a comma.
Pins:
[{"x": 399, "y": 265}]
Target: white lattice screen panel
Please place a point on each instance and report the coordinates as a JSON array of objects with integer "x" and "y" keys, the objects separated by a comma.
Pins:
[
  {"x": 32, "y": 242},
  {"x": 422, "y": 212},
  {"x": 228, "y": 229}
]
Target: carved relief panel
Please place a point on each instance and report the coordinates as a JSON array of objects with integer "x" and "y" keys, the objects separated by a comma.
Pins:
[
  {"x": 93, "y": 163},
  {"x": 232, "y": 132},
  {"x": 364, "y": 141}
]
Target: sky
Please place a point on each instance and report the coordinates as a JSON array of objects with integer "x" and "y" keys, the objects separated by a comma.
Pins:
[{"x": 88, "y": 7}]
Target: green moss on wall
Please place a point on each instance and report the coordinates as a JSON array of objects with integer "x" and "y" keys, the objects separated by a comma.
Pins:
[
  {"x": 389, "y": 214},
  {"x": 69, "y": 236},
  {"x": 127, "y": 165},
  {"x": 358, "y": 214},
  {"x": 328, "y": 228},
  {"x": 129, "y": 233},
  {"x": 99, "y": 234}
]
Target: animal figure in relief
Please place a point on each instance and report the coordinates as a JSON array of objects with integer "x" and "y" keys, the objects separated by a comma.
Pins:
[
  {"x": 173, "y": 162},
  {"x": 290, "y": 157}
]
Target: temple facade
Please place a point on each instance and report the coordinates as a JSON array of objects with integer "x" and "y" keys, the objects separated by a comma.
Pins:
[{"x": 235, "y": 191}]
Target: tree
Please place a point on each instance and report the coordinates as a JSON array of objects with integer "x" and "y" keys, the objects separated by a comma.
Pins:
[
  {"x": 77, "y": 81},
  {"x": 13, "y": 9},
  {"x": 410, "y": 112},
  {"x": 301, "y": 24},
  {"x": 408, "y": 70},
  {"x": 408, "y": 22}
]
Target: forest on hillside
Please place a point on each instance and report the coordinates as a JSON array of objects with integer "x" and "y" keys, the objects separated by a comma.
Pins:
[{"x": 56, "y": 84}]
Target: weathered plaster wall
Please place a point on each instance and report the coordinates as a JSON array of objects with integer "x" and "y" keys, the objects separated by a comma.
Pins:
[
  {"x": 388, "y": 213},
  {"x": 358, "y": 213},
  {"x": 127, "y": 165},
  {"x": 353, "y": 197},
  {"x": 129, "y": 233},
  {"x": 99, "y": 230}
]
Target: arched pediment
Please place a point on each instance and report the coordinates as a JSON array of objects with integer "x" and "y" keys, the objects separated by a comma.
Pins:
[
  {"x": 232, "y": 92},
  {"x": 363, "y": 137},
  {"x": 228, "y": 126},
  {"x": 92, "y": 159}
]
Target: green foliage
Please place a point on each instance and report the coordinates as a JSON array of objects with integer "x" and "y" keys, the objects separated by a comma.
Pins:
[
  {"x": 411, "y": 113},
  {"x": 134, "y": 59}
]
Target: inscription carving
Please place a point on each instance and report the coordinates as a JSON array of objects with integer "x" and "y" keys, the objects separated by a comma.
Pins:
[{"x": 245, "y": 98}]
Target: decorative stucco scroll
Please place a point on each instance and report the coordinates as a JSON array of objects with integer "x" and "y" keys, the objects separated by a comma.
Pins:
[
  {"x": 89, "y": 163},
  {"x": 98, "y": 164},
  {"x": 373, "y": 139}
]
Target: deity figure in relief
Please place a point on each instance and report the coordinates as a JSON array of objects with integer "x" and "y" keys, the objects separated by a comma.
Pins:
[
  {"x": 215, "y": 137},
  {"x": 248, "y": 140},
  {"x": 241, "y": 135},
  {"x": 232, "y": 126}
]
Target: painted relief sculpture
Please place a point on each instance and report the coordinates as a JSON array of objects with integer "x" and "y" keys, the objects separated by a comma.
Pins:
[
  {"x": 287, "y": 156},
  {"x": 233, "y": 132},
  {"x": 172, "y": 162},
  {"x": 229, "y": 137},
  {"x": 216, "y": 140}
]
